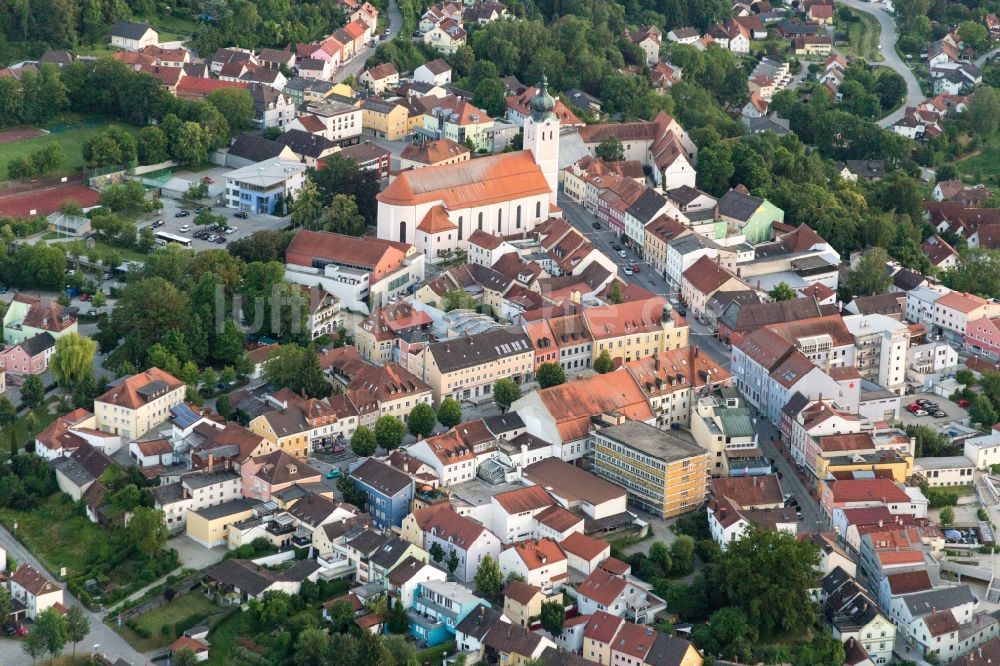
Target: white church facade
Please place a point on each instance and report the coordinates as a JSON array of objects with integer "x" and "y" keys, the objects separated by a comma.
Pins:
[{"x": 437, "y": 208}]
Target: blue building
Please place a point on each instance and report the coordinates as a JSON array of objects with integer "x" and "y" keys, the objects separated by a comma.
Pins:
[
  {"x": 438, "y": 607},
  {"x": 264, "y": 187},
  {"x": 388, "y": 492}
]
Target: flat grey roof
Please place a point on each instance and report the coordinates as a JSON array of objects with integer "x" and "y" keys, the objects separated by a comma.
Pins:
[
  {"x": 666, "y": 445},
  {"x": 228, "y": 508},
  {"x": 944, "y": 462}
]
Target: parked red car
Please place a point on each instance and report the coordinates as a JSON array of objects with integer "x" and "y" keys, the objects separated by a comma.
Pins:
[{"x": 84, "y": 297}]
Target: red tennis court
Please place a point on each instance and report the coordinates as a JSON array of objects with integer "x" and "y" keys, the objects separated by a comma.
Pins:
[{"x": 17, "y": 134}]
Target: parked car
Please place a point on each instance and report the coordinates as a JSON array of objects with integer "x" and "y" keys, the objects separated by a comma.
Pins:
[
  {"x": 221, "y": 239},
  {"x": 596, "y": 225},
  {"x": 242, "y": 214},
  {"x": 182, "y": 213},
  {"x": 627, "y": 271},
  {"x": 964, "y": 404},
  {"x": 231, "y": 230},
  {"x": 185, "y": 228},
  {"x": 3, "y": 289},
  {"x": 635, "y": 268},
  {"x": 938, "y": 414},
  {"x": 338, "y": 448},
  {"x": 333, "y": 474},
  {"x": 92, "y": 312},
  {"x": 208, "y": 179},
  {"x": 84, "y": 297},
  {"x": 158, "y": 223},
  {"x": 681, "y": 311},
  {"x": 621, "y": 253}
]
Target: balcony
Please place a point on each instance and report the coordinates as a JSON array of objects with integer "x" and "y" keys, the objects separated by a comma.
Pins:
[{"x": 425, "y": 620}]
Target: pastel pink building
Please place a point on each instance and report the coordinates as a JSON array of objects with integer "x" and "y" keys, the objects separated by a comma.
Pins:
[
  {"x": 29, "y": 357},
  {"x": 982, "y": 336}
]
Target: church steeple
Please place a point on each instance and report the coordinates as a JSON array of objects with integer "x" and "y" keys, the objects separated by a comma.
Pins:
[
  {"x": 541, "y": 135},
  {"x": 542, "y": 103}
]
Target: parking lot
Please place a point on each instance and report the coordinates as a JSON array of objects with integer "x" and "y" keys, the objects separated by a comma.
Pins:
[
  {"x": 952, "y": 412},
  {"x": 172, "y": 224}
]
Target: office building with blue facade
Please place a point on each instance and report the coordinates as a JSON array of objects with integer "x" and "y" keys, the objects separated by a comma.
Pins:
[{"x": 264, "y": 187}]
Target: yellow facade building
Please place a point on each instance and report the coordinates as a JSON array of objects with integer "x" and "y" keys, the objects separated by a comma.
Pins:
[
  {"x": 664, "y": 471},
  {"x": 636, "y": 329}
]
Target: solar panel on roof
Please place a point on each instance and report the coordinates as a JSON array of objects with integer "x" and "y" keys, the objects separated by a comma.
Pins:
[{"x": 183, "y": 415}]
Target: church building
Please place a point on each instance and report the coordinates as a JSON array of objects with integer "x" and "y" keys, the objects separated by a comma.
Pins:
[{"x": 437, "y": 208}]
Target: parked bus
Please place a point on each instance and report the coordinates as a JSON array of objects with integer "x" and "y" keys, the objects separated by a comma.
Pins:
[{"x": 165, "y": 238}]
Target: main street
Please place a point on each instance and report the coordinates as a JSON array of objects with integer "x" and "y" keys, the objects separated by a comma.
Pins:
[{"x": 704, "y": 338}]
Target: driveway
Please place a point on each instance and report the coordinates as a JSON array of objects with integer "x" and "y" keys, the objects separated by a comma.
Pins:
[
  {"x": 100, "y": 639},
  {"x": 887, "y": 44}
]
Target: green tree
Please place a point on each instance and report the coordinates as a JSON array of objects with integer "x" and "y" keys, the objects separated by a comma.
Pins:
[
  {"x": 974, "y": 35},
  {"x": 682, "y": 555},
  {"x": 311, "y": 647},
  {"x": 980, "y": 411},
  {"x": 505, "y": 393},
  {"x": 399, "y": 651},
  {"x": 235, "y": 105},
  {"x": 73, "y": 359},
  {"x": 421, "y": 420},
  {"x": 615, "y": 297},
  {"x": 552, "y": 617},
  {"x": 965, "y": 377},
  {"x": 314, "y": 382},
  {"x": 489, "y": 96},
  {"x": 947, "y": 516},
  {"x": 869, "y": 276},
  {"x": 363, "y": 442},
  {"x": 34, "y": 645},
  {"x": 389, "y": 432},
  {"x": 307, "y": 207},
  {"x": 822, "y": 650},
  {"x": 398, "y": 621},
  {"x": 715, "y": 169},
  {"x": 610, "y": 150},
  {"x": 341, "y": 615},
  {"x": 185, "y": 657},
  {"x": 488, "y": 579},
  {"x": 449, "y": 414},
  {"x": 453, "y": 561},
  {"x": 52, "y": 626},
  {"x": 983, "y": 114},
  {"x": 768, "y": 575},
  {"x": 436, "y": 552},
  {"x": 728, "y": 634},
  {"x": 341, "y": 216},
  {"x": 32, "y": 390},
  {"x": 77, "y": 625},
  {"x": 550, "y": 374},
  {"x": 147, "y": 531},
  {"x": 782, "y": 292},
  {"x": 152, "y": 145},
  {"x": 603, "y": 363},
  {"x": 6, "y": 603}
]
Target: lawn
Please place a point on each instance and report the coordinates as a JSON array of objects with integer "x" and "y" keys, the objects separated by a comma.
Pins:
[
  {"x": 223, "y": 639},
  {"x": 180, "y": 614},
  {"x": 56, "y": 533},
  {"x": 984, "y": 165},
  {"x": 71, "y": 143},
  {"x": 435, "y": 654},
  {"x": 862, "y": 37},
  {"x": 172, "y": 28}
]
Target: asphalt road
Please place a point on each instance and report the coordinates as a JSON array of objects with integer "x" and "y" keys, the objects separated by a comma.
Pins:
[
  {"x": 887, "y": 44},
  {"x": 101, "y": 638},
  {"x": 792, "y": 480},
  {"x": 357, "y": 64}
]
